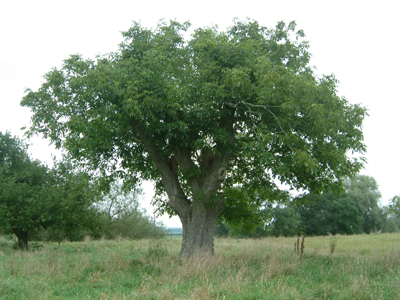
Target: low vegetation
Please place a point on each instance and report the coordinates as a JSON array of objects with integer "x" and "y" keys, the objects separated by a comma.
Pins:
[{"x": 360, "y": 267}]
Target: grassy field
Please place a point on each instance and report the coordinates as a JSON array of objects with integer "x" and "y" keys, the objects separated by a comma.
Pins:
[{"x": 361, "y": 267}]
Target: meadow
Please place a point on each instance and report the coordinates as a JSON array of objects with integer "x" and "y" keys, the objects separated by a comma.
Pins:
[{"x": 360, "y": 267}]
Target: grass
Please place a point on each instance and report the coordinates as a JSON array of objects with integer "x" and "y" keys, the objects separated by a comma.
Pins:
[{"x": 361, "y": 267}]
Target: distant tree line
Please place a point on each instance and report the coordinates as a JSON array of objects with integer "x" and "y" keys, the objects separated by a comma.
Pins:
[
  {"x": 354, "y": 211},
  {"x": 63, "y": 202}
]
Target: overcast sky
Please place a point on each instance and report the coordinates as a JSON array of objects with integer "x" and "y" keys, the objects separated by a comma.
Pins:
[{"x": 358, "y": 41}]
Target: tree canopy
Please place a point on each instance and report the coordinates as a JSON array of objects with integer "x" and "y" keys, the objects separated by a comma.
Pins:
[{"x": 199, "y": 116}]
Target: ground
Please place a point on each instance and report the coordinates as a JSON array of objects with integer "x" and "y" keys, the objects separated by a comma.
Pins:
[{"x": 361, "y": 267}]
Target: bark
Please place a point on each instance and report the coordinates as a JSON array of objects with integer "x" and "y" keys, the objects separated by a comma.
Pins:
[
  {"x": 199, "y": 220},
  {"x": 198, "y": 230},
  {"x": 199, "y": 214}
]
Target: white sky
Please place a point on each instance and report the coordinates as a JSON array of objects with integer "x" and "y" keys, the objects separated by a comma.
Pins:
[{"x": 358, "y": 41}]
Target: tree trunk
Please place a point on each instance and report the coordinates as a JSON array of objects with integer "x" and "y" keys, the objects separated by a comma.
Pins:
[
  {"x": 199, "y": 212},
  {"x": 22, "y": 237},
  {"x": 198, "y": 232}
]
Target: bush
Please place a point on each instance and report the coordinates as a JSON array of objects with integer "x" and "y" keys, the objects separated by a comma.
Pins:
[{"x": 156, "y": 250}]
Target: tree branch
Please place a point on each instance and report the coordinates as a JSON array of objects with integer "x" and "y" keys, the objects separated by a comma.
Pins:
[
  {"x": 169, "y": 174},
  {"x": 219, "y": 162},
  {"x": 187, "y": 166},
  {"x": 266, "y": 107}
]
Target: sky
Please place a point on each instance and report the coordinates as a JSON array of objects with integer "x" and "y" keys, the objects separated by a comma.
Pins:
[{"x": 356, "y": 40}]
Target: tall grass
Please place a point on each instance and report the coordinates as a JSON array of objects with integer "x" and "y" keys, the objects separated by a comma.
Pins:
[{"x": 361, "y": 267}]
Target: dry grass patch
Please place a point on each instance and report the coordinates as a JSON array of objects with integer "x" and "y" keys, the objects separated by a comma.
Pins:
[{"x": 200, "y": 293}]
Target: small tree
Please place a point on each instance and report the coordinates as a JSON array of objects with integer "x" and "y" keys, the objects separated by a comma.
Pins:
[
  {"x": 34, "y": 197},
  {"x": 124, "y": 217},
  {"x": 200, "y": 116},
  {"x": 118, "y": 201},
  {"x": 221, "y": 230},
  {"x": 23, "y": 198},
  {"x": 285, "y": 222}
]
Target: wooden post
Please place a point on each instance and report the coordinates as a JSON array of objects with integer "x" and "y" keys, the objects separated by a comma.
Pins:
[{"x": 302, "y": 246}]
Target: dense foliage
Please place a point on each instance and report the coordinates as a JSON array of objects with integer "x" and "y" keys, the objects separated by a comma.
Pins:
[{"x": 241, "y": 106}]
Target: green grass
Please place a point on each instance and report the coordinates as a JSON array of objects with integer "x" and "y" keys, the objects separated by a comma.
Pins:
[{"x": 361, "y": 267}]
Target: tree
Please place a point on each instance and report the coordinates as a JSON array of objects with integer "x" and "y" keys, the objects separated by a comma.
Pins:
[
  {"x": 124, "y": 217},
  {"x": 364, "y": 192},
  {"x": 286, "y": 221},
  {"x": 200, "y": 116},
  {"x": 394, "y": 206},
  {"x": 328, "y": 214},
  {"x": 118, "y": 201},
  {"x": 23, "y": 199},
  {"x": 391, "y": 215},
  {"x": 355, "y": 210},
  {"x": 221, "y": 230},
  {"x": 34, "y": 196}
]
